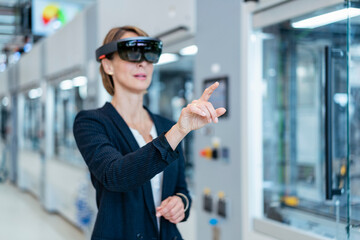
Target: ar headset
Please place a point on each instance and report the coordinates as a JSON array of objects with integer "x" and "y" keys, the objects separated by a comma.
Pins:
[{"x": 135, "y": 49}]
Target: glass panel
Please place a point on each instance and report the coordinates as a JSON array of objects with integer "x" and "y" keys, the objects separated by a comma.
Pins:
[
  {"x": 4, "y": 138},
  {"x": 4, "y": 120},
  {"x": 69, "y": 100},
  {"x": 295, "y": 71},
  {"x": 354, "y": 122},
  {"x": 30, "y": 135},
  {"x": 31, "y": 127}
]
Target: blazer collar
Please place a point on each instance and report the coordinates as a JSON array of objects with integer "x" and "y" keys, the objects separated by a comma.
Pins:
[
  {"x": 122, "y": 126},
  {"x": 130, "y": 139}
]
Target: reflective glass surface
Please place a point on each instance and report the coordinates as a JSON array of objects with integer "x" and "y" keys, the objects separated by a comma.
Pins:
[
  {"x": 305, "y": 124},
  {"x": 4, "y": 123},
  {"x": 31, "y": 124},
  {"x": 353, "y": 180},
  {"x": 4, "y": 140},
  {"x": 69, "y": 101}
]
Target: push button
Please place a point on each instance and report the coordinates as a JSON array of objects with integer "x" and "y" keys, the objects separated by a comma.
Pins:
[
  {"x": 206, "y": 153},
  {"x": 221, "y": 206},
  {"x": 207, "y": 200}
]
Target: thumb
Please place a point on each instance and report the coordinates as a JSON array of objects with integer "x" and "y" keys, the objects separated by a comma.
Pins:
[
  {"x": 220, "y": 111},
  {"x": 163, "y": 204}
]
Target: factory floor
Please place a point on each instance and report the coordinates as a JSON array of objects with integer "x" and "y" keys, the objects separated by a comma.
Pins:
[{"x": 23, "y": 218}]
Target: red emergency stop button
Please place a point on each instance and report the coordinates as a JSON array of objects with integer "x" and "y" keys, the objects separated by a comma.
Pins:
[{"x": 206, "y": 153}]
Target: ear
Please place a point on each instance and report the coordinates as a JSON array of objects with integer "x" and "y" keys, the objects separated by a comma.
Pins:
[{"x": 108, "y": 66}]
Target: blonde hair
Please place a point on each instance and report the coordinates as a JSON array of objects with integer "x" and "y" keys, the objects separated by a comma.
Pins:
[{"x": 113, "y": 35}]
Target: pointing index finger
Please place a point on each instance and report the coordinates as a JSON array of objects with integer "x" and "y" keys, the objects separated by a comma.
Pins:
[{"x": 208, "y": 91}]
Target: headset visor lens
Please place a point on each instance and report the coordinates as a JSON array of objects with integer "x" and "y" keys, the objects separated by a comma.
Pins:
[{"x": 140, "y": 50}]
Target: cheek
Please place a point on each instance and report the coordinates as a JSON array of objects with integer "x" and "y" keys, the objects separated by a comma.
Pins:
[
  {"x": 122, "y": 73},
  {"x": 150, "y": 69},
  {"x": 124, "y": 69}
]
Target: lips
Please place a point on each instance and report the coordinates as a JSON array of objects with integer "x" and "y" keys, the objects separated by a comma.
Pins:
[{"x": 140, "y": 76}]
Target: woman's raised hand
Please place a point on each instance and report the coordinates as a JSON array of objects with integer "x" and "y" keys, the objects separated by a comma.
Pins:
[
  {"x": 194, "y": 116},
  {"x": 200, "y": 112}
]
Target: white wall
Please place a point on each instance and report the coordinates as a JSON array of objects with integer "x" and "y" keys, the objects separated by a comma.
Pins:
[
  {"x": 154, "y": 18},
  {"x": 30, "y": 67},
  {"x": 3, "y": 83},
  {"x": 65, "y": 49},
  {"x": 289, "y": 10}
]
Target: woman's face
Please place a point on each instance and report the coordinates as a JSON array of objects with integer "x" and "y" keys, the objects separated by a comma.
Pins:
[{"x": 130, "y": 76}]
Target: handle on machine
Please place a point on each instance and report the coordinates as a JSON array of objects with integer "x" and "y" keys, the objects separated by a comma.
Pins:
[{"x": 330, "y": 192}]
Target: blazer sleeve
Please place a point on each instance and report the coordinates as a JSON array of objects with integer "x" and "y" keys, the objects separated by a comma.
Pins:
[
  {"x": 117, "y": 172},
  {"x": 181, "y": 186}
]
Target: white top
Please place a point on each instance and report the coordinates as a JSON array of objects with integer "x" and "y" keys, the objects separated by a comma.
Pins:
[{"x": 156, "y": 181}]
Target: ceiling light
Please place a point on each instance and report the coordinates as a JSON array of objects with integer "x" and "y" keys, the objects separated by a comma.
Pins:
[
  {"x": 341, "y": 99},
  {"x": 35, "y": 93},
  {"x": 79, "y": 81},
  {"x": 327, "y": 18},
  {"x": 2, "y": 67},
  {"x": 166, "y": 58},
  {"x": 190, "y": 50},
  {"x": 3, "y": 58},
  {"x": 14, "y": 58},
  {"x": 5, "y": 101},
  {"x": 66, "y": 84},
  {"x": 27, "y": 47}
]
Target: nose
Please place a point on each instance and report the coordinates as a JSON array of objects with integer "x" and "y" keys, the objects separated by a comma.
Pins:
[{"x": 143, "y": 63}]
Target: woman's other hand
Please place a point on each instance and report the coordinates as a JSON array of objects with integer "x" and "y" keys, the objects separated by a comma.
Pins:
[{"x": 172, "y": 209}]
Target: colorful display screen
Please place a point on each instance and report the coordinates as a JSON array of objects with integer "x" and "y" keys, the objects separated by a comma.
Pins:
[{"x": 49, "y": 16}]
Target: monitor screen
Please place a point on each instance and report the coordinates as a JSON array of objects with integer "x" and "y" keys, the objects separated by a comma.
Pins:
[{"x": 219, "y": 98}]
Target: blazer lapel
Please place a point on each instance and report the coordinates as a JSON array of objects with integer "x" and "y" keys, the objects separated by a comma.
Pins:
[
  {"x": 149, "y": 201},
  {"x": 130, "y": 139},
  {"x": 122, "y": 126},
  {"x": 160, "y": 128}
]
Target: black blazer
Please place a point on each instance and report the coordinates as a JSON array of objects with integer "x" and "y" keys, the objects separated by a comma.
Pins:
[{"x": 121, "y": 173}]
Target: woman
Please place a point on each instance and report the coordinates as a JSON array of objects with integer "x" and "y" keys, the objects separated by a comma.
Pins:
[{"x": 134, "y": 156}]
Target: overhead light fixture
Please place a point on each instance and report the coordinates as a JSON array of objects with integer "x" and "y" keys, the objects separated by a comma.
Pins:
[
  {"x": 14, "y": 58},
  {"x": 190, "y": 50},
  {"x": 166, "y": 58},
  {"x": 79, "y": 81},
  {"x": 27, "y": 47},
  {"x": 341, "y": 99},
  {"x": 5, "y": 101},
  {"x": 2, "y": 67},
  {"x": 35, "y": 93},
  {"x": 327, "y": 18},
  {"x": 3, "y": 57},
  {"x": 66, "y": 84}
]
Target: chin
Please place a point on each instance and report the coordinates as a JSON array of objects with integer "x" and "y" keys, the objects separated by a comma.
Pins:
[
  {"x": 143, "y": 85},
  {"x": 139, "y": 86},
  {"x": 142, "y": 90}
]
